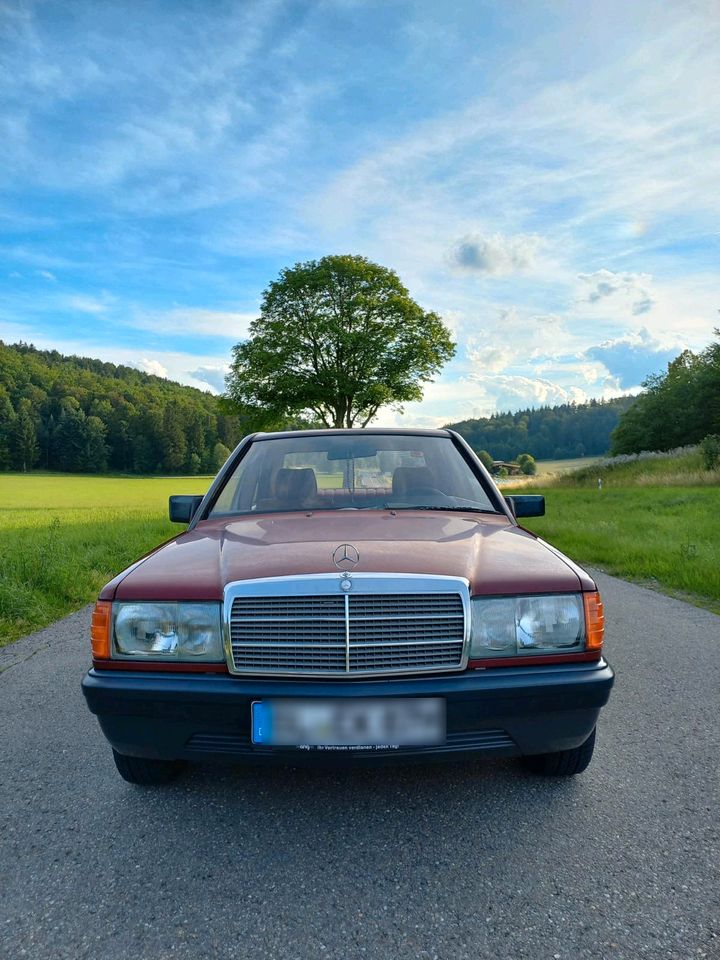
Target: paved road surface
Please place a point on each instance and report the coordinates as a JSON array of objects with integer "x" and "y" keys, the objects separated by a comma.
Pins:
[{"x": 478, "y": 860}]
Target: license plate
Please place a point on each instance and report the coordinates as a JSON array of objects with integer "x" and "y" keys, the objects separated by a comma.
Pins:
[{"x": 337, "y": 724}]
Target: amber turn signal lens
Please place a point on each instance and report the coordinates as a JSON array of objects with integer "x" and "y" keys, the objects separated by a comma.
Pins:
[
  {"x": 100, "y": 630},
  {"x": 594, "y": 621}
]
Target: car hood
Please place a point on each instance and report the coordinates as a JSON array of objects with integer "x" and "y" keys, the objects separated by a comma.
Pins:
[{"x": 494, "y": 555}]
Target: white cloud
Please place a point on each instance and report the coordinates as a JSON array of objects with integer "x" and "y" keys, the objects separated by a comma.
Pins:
[
  {"x": 632, "y": 287},
  {"x": 152, "y": 366},
  {"x": 46, "y": 275},
  {"x": 86, "y": 304},
  {"x": 514, "y": 392},
  {"x": 481, "y": 396},
  {"x": 495, "y": 255},
  {"x": 513, "y": 338},
  {"x": 213, "y": 376},
  {"x": 618, "y": 148},
  {"x": 491, "y": 359},
  {"x": 632, "y": 358},
  {"x": 189, "y": 321}
]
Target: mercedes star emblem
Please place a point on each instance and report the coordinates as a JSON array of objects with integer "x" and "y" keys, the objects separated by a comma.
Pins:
[{"x": 345, "y": 557}]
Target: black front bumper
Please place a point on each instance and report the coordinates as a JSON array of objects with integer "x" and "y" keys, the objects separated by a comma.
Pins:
[{"x": 507, "y": 711}]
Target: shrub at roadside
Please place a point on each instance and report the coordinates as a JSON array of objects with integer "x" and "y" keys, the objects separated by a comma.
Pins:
[
  {"x": 711, "y": 451},
  {"x": 485, "y": 459},
  {"x": 527, "y": 464}
]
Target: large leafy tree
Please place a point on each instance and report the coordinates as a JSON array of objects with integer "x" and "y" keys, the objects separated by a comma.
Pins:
[
  {"x": 336, "y": 339},
  {"x": 678, "y": 407}
]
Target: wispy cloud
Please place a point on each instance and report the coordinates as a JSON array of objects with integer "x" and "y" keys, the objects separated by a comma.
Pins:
[
  {"x": 631, "y": 286},
  {"x": 185, "y": 123},
  {"x": 88, "y": 304},
  {"x": 194, "y": 321}
]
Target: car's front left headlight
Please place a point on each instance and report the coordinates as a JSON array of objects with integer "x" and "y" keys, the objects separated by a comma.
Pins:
[
  {"x": 160, "y": 631},
  {"x": 521, "y": 626}
]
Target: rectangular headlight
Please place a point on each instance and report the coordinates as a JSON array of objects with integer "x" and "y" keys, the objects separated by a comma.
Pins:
[
  {"x": 168, "y": 631},
  {"x": 522, "y": 626}
]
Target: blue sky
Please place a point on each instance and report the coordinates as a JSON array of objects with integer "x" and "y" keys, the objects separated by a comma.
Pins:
[{"x": 544, "y": 175}]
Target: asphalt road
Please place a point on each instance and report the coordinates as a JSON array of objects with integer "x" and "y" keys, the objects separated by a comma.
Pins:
[{"x": 450, "y": 861}]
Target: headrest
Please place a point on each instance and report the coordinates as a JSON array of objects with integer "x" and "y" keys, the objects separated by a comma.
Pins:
[
  {"x": 410, "y": 479},
  {"x": 295, "y": 485}
]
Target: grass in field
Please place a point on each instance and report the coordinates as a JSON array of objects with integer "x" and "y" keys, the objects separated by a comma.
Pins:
[
  {"x": 666, "y": 537},
  {"x": 549, "y": 471},
  {"x": 683, "y": 469},
  {"x": 655, "y": 520},
  {"x": 63, "y": 537},
  {"x": 329, "y": 481},
  {"x": 556, "y": 468}
]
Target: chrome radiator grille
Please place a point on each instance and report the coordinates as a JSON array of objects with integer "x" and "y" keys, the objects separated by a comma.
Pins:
[{"x": 335, "y": 634}]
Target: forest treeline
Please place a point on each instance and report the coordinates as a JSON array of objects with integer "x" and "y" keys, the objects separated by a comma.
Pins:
[
  {"x": 81, "y": 415},
  {"x": 548, "y": 433},
  {"x": 677, "y": 408},
  {"x": 77, "y": 414}
]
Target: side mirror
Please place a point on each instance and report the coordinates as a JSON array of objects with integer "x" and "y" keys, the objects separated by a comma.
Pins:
[
  {"x": 527, "y": 505},
  {"x": 183, "y": 507}
]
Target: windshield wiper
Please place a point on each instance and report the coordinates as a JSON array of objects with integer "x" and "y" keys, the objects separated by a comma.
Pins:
[{"x": 389, "y": 506}]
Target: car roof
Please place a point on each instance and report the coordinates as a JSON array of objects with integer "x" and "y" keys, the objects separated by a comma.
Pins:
[{"x": 355, "y": 432}]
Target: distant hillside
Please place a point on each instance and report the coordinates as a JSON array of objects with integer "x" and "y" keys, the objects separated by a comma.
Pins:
[
  {"x": 548, "y": 433},
  {"x": 78, "y": 414}
]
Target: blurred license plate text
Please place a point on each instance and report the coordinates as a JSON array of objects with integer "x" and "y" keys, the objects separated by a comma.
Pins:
[{"x": 411, "y": 721}]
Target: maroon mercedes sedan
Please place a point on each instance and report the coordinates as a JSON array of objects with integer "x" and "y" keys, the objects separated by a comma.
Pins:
[{"x": 359, "y": 596}]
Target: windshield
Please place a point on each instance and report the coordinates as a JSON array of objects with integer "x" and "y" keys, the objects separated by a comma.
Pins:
[{"x": 343, "y": 472}]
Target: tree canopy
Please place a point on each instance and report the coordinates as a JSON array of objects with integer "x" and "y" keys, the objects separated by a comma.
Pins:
[
  {"x": 81, "y": 415},
  {"x": 336, "y": 339},
  {"x": 678, "y": 407},
  {"x": 551, "y": 433}
]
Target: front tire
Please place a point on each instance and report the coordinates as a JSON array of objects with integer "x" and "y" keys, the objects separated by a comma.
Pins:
[
  {"x": 564, "y": 763},
  {"x": 144, "y": 772}
]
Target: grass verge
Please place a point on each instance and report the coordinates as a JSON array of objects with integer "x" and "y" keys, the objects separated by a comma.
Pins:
[{"x": 664, "y": 537}]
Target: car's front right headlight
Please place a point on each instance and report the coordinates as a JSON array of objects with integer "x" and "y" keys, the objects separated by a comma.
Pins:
[
  {"x": 523, "y": 626},
  {"x": 168, "y": 631}
]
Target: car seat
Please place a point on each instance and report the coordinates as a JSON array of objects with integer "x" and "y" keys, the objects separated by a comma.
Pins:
[
  {"x": 295, "y": 488},
  {"x": 409, "y": 481}
]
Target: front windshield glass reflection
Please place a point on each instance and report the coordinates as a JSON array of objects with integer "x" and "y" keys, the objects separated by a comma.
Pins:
[{"x": 341, "y": 472}]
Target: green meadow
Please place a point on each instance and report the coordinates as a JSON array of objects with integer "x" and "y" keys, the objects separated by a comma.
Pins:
[
  {"x": 663, "y": 537},
  {"x": 654, "y": 518},
  {"x": 63, "y": 536}
]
